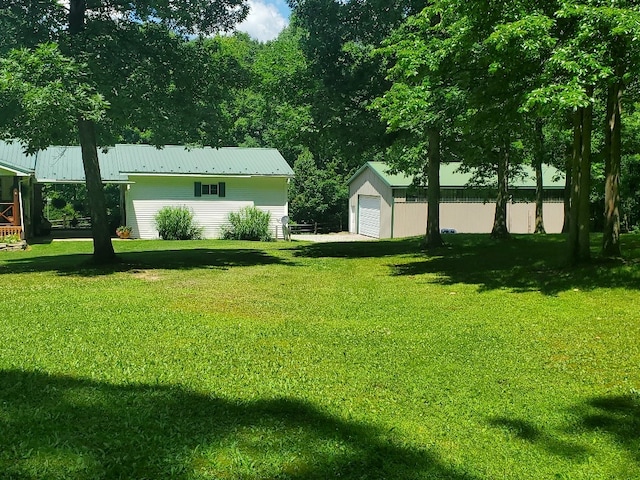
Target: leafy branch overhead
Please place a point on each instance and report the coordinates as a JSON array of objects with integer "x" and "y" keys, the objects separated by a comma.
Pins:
[{"x": 43, "y": 94}]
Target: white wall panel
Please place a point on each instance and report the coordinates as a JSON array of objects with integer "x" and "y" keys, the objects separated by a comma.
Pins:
[{"x": 149, "y": 194}]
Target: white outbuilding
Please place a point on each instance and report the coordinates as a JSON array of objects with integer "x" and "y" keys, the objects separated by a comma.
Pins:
[{"x": 212, "y": 182}]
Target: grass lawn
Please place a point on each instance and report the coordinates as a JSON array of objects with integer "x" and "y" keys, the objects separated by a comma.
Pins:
[{"x": 235, "y": 360}]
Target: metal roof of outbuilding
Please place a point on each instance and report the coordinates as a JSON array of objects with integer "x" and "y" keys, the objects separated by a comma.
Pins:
[
  {"x": 64, "y": 164},
  {"x": 451, "y": 176}
]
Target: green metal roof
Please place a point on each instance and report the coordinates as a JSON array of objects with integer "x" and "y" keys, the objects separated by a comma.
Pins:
[
  {"x": 451, "y": 177},
  {"x": 118, "y": 163},
  {"x": 13, "y": 158},
  {"x": 64, "y": 165},
  {"x": 144, "y": 159}
]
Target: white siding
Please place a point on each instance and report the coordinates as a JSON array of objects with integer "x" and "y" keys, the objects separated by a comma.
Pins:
[{"x": 148, "y": 195}]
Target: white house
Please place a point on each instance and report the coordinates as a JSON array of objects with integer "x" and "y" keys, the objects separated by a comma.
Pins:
[
  {"x": 211, "y": 182},
  {"x": 385, "y": 205}
]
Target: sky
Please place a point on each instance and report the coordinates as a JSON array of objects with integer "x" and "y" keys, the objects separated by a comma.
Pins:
[{"x": 266, "y": 19}]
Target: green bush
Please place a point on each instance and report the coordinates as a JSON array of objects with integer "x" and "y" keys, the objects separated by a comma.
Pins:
[
  {"x": 250, "y": 223},
  {"x": 10, "y": 239},
  {"x": 177, "y": 223}
]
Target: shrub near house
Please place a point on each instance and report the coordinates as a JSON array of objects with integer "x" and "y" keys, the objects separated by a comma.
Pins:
[
  {"x": 250, "y": 223},
  {"x": 177, "y": 223}
]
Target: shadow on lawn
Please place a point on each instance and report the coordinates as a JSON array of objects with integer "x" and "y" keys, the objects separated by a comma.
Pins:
[
  {"x": 616, "y": 417},
  {"x": 377, "y": 249},
  {"x": 183, "y": 259},
  {"x": 522, "y": 265},
  {"x": 58, "y": 427}
]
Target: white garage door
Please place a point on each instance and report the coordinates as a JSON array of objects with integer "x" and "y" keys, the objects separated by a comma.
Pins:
[{"x": 369, "y": 216}]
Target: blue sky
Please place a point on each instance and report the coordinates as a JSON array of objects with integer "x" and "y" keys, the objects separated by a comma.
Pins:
[{"x": 266, "y": 19}]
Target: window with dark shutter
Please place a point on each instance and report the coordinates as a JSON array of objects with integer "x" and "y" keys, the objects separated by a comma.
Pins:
[
  {"x": 222, "y": 190},
  {"x": 197, "y": 189}
]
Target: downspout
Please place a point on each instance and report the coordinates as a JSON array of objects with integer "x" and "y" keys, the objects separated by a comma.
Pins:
[
  {"x": 24, "y": 233},
  {"x": 393, "y": 211}
]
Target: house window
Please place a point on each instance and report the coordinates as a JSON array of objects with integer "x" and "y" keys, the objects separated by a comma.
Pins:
[
  {"x": 207, "y": 189},
  {"x": 467, "y": 195},
  {"x": 415, "y": 193}
]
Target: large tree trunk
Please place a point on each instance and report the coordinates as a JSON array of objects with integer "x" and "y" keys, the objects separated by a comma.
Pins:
[
  {"x": 102, "y": 246},
  {"x": 613, "y": 129},
  {"x": 584, "y": 207},
  {"x": 575, "y": 184},
  {"x": 500, "y": 229},
  {"x": 537, "y": 161},
  {"x": 579, "y": 243},
  {"x": 433, "y": 239},
  {"x": 567, "y": 194}
]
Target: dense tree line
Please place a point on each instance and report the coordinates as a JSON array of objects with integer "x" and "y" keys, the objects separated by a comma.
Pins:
[{"x": 491, "y": 84}]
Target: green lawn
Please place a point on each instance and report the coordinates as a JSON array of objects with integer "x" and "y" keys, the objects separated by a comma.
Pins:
[{"x": 236, "y": 360}]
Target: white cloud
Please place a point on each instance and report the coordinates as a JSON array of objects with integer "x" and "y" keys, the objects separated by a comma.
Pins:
[{"x": 264, "y": 21}]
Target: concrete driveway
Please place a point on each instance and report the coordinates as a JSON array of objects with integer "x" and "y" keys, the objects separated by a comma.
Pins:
[{"x": 333, "y": 237}]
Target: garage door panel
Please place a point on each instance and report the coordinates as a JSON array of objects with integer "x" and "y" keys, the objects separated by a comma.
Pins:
[{"x": 369, "y": 216}]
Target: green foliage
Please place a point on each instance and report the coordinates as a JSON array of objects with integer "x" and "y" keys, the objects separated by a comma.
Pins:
[
  {"x": 250, "y": 223},
  {"x": 317, "y": 194},
  {"x": 70, "y": 200},
  {"x": 58, "y": 203},
  {"x": 43, "y": 93},
  {"x": 177, "y": 223},
  {"x": 10, "y": 239}
]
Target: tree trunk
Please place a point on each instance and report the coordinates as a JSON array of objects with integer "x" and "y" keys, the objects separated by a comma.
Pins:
[
  {"x": 500, "y": 230},
  {"x": 575, "y": 184},
  {"x": 538, "y": 160},
  {"x": 433, "y": 239},
  {"x": 580, "y": 213},
  {"x": 611, "y": 235},
  {"x": 567, "y": 194},
  {"x": 102, "y": 246},
  {"x": 584, "y": 204}
]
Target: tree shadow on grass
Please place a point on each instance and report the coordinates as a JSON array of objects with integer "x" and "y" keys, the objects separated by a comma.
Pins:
[
  {"x": 616, "y": 417},
  {"x": 373, "y": 249},
  {"x": 62, "y": 427},
  {"x": 522, "y": 265},
  {"x": 529, "y": 433},
  {"x": 182, "y": 259}
]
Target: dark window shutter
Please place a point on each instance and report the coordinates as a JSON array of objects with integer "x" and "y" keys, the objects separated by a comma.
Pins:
[
  {"x": 197, "y": 189},
  {"x": 222, "y": 192}
]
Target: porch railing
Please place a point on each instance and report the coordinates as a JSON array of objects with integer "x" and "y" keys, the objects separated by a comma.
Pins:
[
  {"x": 10, "y": 216},
  {"x": 6, "y": 230}
]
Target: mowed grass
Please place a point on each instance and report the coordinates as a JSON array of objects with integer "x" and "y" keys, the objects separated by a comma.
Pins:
[{"x": 237, "y": 360}]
